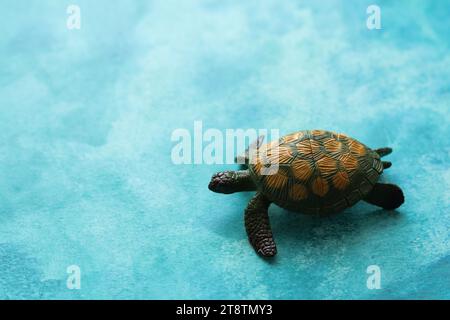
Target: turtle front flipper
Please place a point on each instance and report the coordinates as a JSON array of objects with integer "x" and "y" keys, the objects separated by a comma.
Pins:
[
  {"x": 258, "y": 227},
  {"x": 244, "y": 158},
  {"x": 385, "y": 195}
]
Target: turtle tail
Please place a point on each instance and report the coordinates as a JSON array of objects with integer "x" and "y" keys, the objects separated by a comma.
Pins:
[{"x": 384, "y": 152}]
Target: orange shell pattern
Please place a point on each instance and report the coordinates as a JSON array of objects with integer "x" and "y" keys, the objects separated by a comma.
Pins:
[{"x": 317, "y": 171}]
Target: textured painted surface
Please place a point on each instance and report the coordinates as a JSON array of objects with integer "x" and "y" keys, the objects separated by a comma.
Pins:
[{"x": 86, "y": 116}]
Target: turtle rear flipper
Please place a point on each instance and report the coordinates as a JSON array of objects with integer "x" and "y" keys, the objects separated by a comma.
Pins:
[
  {"x": 258, "y": 227},
  {"x": 244, "y": 158},
  {"x": 385, "y": 195},
  {"x": 383, "y": 151}
]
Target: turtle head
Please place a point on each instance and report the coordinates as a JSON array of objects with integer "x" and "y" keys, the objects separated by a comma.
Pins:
[
  {"x": 223, "y": 182},
  {"x": 231, "y": 181}
]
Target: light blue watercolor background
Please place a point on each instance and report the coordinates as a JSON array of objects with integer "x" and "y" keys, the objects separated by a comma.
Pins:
[{"x": 86, "y": 117}]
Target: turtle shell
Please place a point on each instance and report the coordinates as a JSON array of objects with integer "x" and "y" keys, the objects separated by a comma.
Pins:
[{"x": 316, "y": 171}]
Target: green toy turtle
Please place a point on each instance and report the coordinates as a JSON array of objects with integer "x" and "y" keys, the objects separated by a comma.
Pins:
[{"x": 318, "y": 172}]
